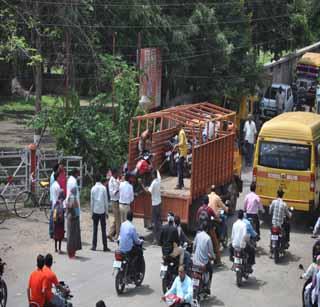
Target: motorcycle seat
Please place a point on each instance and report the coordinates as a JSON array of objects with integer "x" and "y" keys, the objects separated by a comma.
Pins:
[
  {"x": 200, "y": 268},
  {"x": 168, "y": 259}
]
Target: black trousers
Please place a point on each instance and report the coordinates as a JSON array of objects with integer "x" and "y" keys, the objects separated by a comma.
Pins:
[
  {"x": 180, "y": 166},
  {"x": 102, "y": 219},
  {"x": 156, "y": 222},
  {"x": 256, "y": 221}
]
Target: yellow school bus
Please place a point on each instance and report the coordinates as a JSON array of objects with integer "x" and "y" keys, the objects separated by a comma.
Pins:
[{"x": 287, "y": 156}]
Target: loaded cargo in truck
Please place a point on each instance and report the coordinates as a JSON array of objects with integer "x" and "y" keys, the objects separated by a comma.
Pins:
[
  {"x": 307, "y": 78},
  {"x": 212, "y": 159}
]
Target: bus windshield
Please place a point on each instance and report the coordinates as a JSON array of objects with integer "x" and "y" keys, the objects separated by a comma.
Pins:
[{"x": 285, "y": 156}]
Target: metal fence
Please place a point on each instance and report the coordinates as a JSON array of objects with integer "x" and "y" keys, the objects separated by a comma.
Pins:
[{"x": 15, "y": 169}]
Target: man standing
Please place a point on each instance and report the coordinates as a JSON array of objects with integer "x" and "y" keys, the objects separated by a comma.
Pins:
[
  {"x": 99, "y": 210},
  {"x": 182, "y": 288},
  {"x": 250, "y": 132},
  {"x": 37, "y": 284},
  {"x": 280, "y": 100},
  {"x": 280, "y": 211},
  {"x": 52, "y": 280},
  {"x": 203, "y": 251},
  {"x": 54, "y": 195},
  {"x": 126, "y": 197},
  {"x": 169, "y": 240},
  {"x": 252, "y": 206},
  {"x": 114, "y": 184},
  {"x": 154, "y": 190},
  {"x": 183, "y": 152}
]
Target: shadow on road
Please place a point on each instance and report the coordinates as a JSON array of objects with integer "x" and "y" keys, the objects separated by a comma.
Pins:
[
  {"x": 288, "y": 257},
  {"x": 212, "y": 301},
  {"x": 253, "y": 283},
  {"x": 134, "y": 291},
  {"x": 82, "y": 258}
]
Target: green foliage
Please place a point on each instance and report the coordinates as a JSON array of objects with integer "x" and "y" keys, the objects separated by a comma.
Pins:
[{"x": 89, "y": 131}]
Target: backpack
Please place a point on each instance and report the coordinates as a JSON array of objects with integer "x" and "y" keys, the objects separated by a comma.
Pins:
[{"x": 58, "y": 214}]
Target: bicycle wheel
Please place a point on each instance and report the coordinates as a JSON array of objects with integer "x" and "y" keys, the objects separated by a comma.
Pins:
[
  {"x": 24, "y": 204},
  {"x": 45, "y": 204},
  {"x": 4, "y": 212}
]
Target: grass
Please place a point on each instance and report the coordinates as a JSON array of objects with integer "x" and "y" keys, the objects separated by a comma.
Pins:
[{"x": 20, "y": 105}]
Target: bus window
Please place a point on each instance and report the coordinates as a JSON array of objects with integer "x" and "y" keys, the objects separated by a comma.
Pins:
[{"x": 285, "y": 156}]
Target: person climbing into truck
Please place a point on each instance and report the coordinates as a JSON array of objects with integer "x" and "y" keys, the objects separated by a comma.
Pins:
[{"x": 144, "y": 145}]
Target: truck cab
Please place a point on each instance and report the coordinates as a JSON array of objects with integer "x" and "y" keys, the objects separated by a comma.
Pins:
[{"x": 268, "y": 105}]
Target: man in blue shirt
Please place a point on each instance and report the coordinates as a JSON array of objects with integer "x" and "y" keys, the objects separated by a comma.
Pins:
[
  {"x": 129, "y": 238},
  {"x": 182, "y": 288},
  {"x": 249, "y": 247}
]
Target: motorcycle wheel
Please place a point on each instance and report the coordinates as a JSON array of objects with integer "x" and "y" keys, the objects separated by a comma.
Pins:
[
  {"x": 239, "y": 278},
  {"x": 3, "y": 293},
  {"x": 276, "y": 256},
  {"x": 140, "y": 274},
  {"x": 119, "y": 282}
]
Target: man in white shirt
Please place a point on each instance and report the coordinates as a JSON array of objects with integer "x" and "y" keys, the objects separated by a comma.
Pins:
[
  {"x": 99, "y": 210},
  {"x": 113, "y": 185},
  {"x": 126, "y": 197},
  {"x": 154, "y": 190},
  {"x": 54, "y": 195},
  {"x": 250, "y": 132}
]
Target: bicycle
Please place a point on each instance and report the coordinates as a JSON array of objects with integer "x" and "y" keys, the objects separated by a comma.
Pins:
[
  {"x": 3, "y": 286},
  {"x": 4, "y": 211},
  {"x": 27, "y": 202}
]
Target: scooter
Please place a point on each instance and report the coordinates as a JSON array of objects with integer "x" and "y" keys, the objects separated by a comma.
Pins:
[{"x": 126, "y": 269}]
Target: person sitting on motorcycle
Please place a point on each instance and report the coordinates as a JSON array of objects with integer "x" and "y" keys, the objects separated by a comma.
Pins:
[
  {"x": 206, "y": 213},
  {"x": 182, "y": 288},
  {"x": 144, "y": 144},
  {"x": 239, "y": 238},
  {"x": 310, "y": 277},
  {"x": 279, "y": 211},
  {"x": 252, "y": 206},
  {"x": 129, "y": 241},
  {"x": 203, "y": 251},
  {"x": 52, "y": 299},
  {"x": 183, "y": 240},
  {"x": 217, "y": 205},
  {"x": 252, "y": 235},
  {"x": 169, "y": 240}
]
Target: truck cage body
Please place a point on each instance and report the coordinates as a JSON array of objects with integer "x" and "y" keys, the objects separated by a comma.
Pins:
[{"x": 212, "y": 159}]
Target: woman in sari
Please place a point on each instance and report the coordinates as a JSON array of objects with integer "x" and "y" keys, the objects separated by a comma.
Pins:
[{"x": 73, "y": 224}]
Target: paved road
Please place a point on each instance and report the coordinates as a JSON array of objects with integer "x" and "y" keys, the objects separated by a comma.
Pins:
[{"x": 90, "y": 276}]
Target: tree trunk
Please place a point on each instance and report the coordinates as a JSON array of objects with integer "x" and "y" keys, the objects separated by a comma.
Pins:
[{"x": 38, "y": 78}]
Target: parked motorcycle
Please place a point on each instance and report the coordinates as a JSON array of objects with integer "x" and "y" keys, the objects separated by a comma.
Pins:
[
  {"x": 240, "y": 265},
  {"x": 3, "y": 286},
  {"x": 127, "y": 271},
  {"x": 200, "y": 281}
]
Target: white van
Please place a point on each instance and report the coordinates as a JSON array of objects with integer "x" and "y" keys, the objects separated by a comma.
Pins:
[{"x": 268, "y": 107}]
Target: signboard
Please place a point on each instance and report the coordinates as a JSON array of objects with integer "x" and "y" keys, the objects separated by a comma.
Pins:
[{"x": 150, "y": 80}]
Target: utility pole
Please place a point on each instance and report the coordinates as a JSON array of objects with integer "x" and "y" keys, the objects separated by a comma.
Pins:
[{"x": 113, "y": 85}]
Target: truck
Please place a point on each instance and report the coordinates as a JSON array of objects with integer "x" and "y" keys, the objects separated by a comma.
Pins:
[
  {"x": 307, "y": 78},
  {"x": 214, "y": 161}
]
